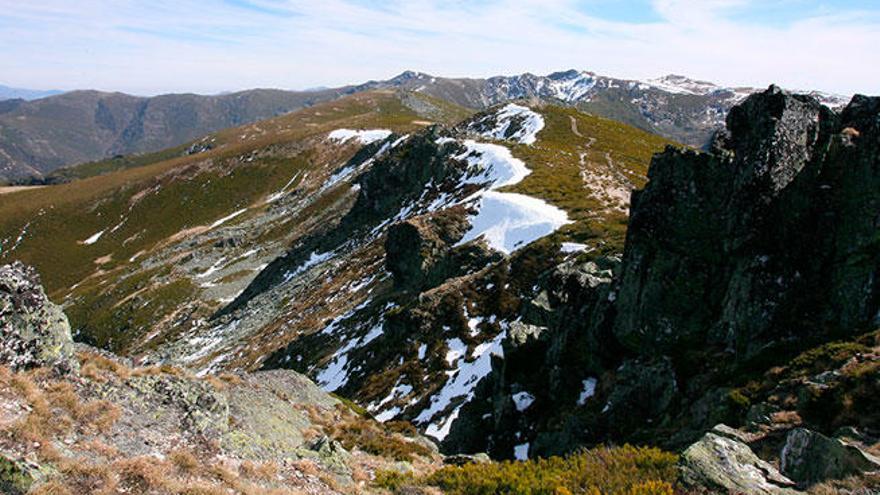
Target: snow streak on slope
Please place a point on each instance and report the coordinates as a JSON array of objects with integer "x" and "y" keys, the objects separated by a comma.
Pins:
[{"x": 459, "y": 387}]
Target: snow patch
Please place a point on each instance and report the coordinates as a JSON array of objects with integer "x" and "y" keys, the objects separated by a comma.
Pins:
[
  {"x": 588, "y": 390},
  {"x": 522, "y": 400},
  {"x": 93, "y": 238},
  {"x": 364, "y": 136},
  {"x": 573, "y": 247},
  {"x": 227, "y": 218},
  {"x": 509, "y": 221},
  {"x": 313, "y": 260}
]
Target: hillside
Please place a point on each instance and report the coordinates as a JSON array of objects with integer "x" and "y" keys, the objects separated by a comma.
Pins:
[{"x": 37, "y": 137}]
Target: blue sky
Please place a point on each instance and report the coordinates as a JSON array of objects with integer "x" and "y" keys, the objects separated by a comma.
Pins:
[{"x": 209, "y": 46}]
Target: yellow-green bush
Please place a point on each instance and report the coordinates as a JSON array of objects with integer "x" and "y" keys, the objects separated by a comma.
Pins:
[{"x": 623, "y": 470}]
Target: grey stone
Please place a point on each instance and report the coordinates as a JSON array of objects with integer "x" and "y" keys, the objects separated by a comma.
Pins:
[
  {"x": 809, "y": 457},
  {"x": 34, "y": 332},
  {"x": 724, "y": 465}
]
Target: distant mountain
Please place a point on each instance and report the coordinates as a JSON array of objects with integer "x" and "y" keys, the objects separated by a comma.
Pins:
[
  {"x": 673, "y": 106},
  {"x": 40, "y": 136},
  {"x": 8, "y": 93}
]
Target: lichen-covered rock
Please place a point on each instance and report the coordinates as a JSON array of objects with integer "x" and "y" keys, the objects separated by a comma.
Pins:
[
  {"x": 33, "y": 331},
  {"x": 727, "y": 466},
  {"x": 204, "y": 409},
  {"x": 810, "y": 457},
  {"x": 17, "y": 477}
]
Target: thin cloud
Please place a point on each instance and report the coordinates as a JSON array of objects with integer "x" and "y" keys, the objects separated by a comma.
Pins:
[{"x": 219, "y": 45}]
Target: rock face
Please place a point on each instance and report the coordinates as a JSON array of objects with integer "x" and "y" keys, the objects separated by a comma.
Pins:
[
  {"x": 421, "y": 252},
  {"x": 768, "y": 239},
  {"x": 33, "y": 331},
  {"x": 810, "y": 457},
  {"x": 725, "y": 465}
]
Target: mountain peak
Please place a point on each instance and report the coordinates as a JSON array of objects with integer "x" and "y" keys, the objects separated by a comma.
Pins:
[
  {"x": 409, "y": 75},
  {"x": 675, "y": 83}
]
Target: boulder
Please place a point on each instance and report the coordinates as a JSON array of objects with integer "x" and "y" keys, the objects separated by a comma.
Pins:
[
  {"x": 421, "y": 252},
  {"x": 724, "y": 465},
  {"x": 809, "y": 457},
  {"x": 34, "y": 332}
]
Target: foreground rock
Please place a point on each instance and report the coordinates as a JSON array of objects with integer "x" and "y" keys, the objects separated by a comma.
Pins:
[
  {"x": 116, "y": 428},
  {"x": 34, "y": 332},
  {"x": 725, "y": 465}
]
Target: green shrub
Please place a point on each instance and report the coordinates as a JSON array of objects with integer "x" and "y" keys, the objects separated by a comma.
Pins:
[{"x": 621, "y": 470}]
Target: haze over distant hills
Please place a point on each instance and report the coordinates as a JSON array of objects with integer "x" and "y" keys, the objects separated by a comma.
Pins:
[
  {"x": 37, "y": 137},
  {"x": 9, "y": 93}
]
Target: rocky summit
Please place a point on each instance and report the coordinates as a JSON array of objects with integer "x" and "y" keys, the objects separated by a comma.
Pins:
[{"x": 390, "y": 292}]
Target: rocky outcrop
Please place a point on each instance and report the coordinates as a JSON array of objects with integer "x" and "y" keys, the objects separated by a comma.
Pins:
[
  {"x": 735, "y": 261},
  {"x": 767, "y": 240},
  {"x": 810, "y": 457},
  {"x": 34, "y": 331},
  {"x": 421, "y": 251},
  {"x": 725, "y": 465}
]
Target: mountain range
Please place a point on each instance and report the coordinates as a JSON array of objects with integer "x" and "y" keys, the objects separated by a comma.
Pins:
[{"x": 38, "y": 137}]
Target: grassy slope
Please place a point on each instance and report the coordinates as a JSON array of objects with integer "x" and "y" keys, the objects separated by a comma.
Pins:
[
  {"x": 555, "y": 161},
  {"x": 180, "y": 193}
]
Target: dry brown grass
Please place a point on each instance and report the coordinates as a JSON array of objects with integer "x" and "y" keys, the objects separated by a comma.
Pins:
[
  {"x": 355, "y": 431},
  {"x": 99, "y": 447},
  {"x": 184, "y": 460},
  {"x": 260, "y": 470},
  {"x": 307, "y": 467},
  {"x": 51, "y": 488},
  {"x": 867, "y": 484}
]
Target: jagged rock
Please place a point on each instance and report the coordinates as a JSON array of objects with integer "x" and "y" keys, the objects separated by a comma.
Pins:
[
  {"x": 330, "y": 452},
  {"x": 33, "y": 331},
  {"x": 809, "y": 457},
  {"x": 724, "y": 465},
  {"x": 418, "y": 249},
  {"x": 521, "y": 334},
  {"x": 763, "y": 241}
]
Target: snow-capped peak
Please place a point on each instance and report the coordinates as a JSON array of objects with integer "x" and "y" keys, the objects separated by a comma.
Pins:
[
  {"x": 673, "y": 83},
  {"x": 570, "y": 85}
]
